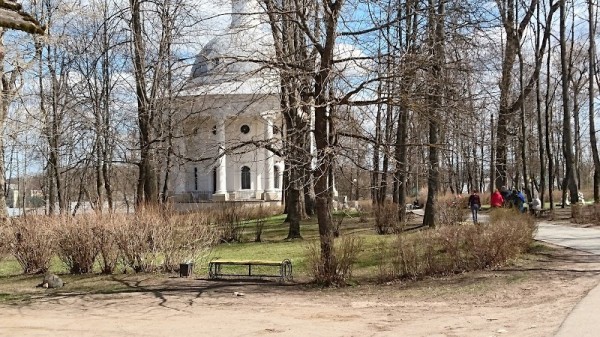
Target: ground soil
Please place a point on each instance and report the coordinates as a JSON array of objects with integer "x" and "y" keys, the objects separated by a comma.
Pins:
[{"x": 531, "y": 297}]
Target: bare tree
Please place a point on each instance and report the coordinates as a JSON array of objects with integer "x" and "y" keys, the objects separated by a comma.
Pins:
[
  {"x": 12, "y": 16},
  {"x": 570, "y": 168},
  {"x": 592, "y": 19}
]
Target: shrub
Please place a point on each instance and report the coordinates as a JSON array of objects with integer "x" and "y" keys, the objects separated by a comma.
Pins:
[
  {"x": 386, "y": 218},
  {"x": 364, "y": 210},
  {"x": 450, "y": 212},
  {"x": 345, "y": 255},
  {"x": 413, "y": 255},
  {"x": 458, "y": 248},
  {"x": 338, "y": 220},
  {"x": 188, "y": 238},
  {"x": 260, "y": 218},
  {"x": 4, "y": 248},
  {"x": 31, "y": 242},
  {"x": 583, "y": 214},
  {"x": 105, "y": 234},
  {"x": 137, "y": 238},
  {"x": 76, "y": 243},
  {"x": 230, "y": 222}
]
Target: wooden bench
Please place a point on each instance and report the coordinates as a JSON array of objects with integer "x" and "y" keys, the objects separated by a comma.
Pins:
[{"x": 284, "y": 269}]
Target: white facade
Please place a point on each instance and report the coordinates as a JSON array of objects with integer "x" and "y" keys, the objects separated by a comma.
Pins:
[{"x": 230, "y": 117}]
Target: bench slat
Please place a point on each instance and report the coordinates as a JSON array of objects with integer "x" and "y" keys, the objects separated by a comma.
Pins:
[{"x": 253, "y": 262}]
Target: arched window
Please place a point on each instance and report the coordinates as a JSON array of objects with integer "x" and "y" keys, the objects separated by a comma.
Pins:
[
  {"x": 245, "y": 178},
  {"x": 276, "y": 176}
]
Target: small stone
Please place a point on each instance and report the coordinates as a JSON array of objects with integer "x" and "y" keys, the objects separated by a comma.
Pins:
[
  {"x": 235, "y": 293},
  {"x": 502, "y": 331},
  {"x": 52, "y": 281}
]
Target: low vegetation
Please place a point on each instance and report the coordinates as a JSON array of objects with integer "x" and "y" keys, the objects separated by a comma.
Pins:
[
  {"x": 153, "y": 241},
  {"x": 458, "y": 247}
]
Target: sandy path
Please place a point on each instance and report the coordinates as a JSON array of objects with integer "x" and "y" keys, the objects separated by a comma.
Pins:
[{"x": 527, "y": 310}]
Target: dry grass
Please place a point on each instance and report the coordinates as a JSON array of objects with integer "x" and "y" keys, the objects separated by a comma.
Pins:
[{"x": 583, "y": 214}]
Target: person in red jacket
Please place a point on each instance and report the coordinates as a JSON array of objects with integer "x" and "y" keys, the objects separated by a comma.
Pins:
[{"x": 496, "y": 199}]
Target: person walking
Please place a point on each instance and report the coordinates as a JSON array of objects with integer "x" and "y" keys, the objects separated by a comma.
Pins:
[
  {"x": 474, "y": 204},
  {"x": 497, "y": 200}
]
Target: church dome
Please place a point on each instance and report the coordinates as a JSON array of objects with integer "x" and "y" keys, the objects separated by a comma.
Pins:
[{"x": 239, "y": 51}]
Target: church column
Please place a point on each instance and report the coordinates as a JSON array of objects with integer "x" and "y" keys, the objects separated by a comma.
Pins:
[
  {"x": 180, "y": 175},
  {"x": 270, "y": 193},
  {"x": 221, "y": 192}
]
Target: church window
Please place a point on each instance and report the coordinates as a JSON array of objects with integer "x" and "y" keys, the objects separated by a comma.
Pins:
[
  {"x": 245, "y": 129},
  {"x": 276, "y": 176},
  {"x": 245, "y": 178},
  {"x": 214, "y": 178}
]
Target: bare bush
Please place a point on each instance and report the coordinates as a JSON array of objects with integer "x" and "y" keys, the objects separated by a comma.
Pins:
[
  {"x": 583, "y": 214},
  {"x": 260, "y": 212},
  {"x": 76, "y": 243},
  {"x": 230, "y": 222},
  {"x": 105, "y": 234},
  {"x": 413, "y": 255},
  {"x": 31, "y": 241},
  {"x": 188, "y": 239},
  {"x": 450, "y": 211},
  {"x": 138, "y": 240},
  {"x": 4, "y": 248},
  {"x": 458, "y": 248},
  {"x": 364, "y": 210},
  {"x": 346, "y": 252},
  {"x": 386, "y": 218},
  {"x": 260, "y": 218},
  {"x": 338, "y": 220}
]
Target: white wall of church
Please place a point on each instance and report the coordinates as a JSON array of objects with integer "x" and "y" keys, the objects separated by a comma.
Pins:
[{"x": 202, "y": 142}]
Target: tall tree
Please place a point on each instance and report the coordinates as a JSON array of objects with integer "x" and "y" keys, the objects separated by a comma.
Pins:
[
  {"x": 570, "y": 169},
  {"x": 12, "y": 16},
  {"x": 592, "y": 19},
  {"x": 436, "y": 28}
]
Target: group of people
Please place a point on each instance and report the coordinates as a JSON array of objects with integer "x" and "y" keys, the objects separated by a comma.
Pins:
[{"x": 503, "y": 197}]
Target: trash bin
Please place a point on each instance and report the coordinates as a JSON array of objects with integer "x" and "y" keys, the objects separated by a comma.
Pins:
[{"x": 186, "y": 269}]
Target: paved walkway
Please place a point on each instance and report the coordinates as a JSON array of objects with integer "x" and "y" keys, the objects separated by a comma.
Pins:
[{"x": 583, "y": 320}]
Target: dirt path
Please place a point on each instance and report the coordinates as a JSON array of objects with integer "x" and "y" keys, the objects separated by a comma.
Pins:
[{"x": 527, "y": 300}]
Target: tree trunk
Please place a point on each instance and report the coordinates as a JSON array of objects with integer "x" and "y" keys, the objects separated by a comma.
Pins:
[
  {"x": 570, "y": 167},
  {"x": 147, "y": 191},
  {"x": 435, "y": 102},
  {"x": 592, "y": 122}
]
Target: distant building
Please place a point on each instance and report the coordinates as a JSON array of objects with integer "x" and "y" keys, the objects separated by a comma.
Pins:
[
  {"x": 12, "y": 197},
  {"x": 231, "y": 110}
]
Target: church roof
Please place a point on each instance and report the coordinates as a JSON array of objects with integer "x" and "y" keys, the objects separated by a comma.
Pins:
[{"x": 238, "y": 59}]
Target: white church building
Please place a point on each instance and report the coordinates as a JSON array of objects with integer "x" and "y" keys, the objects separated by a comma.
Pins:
[{"x": 230, "y": 114}]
